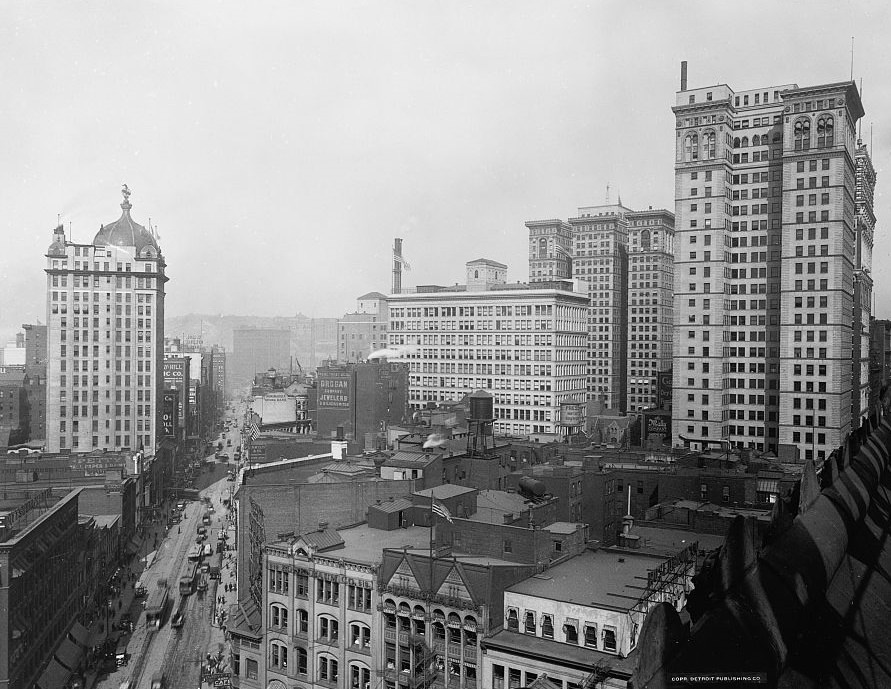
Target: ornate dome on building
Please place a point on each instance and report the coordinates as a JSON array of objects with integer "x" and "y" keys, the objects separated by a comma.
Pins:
[{"x": 125, "y": 232}]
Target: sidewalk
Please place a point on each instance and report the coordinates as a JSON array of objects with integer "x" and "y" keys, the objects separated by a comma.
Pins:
[{"x": 106, "y": 626}]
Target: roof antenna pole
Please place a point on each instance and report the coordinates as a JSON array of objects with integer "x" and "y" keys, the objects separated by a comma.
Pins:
[
  {"x": 860, "y": 121},
  {"x": 852, "y": 58},
  {"x": 607, "y": 193}
]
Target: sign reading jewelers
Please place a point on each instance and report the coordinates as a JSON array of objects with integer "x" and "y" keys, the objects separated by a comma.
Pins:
[{"x": 335, "y": 389}]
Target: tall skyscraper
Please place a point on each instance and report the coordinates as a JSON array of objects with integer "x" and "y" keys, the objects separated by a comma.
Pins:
[
  {"x": 105, "y": 338},
  {"x": 765, "y": 264},
  {"x": 626, "y": 258}
]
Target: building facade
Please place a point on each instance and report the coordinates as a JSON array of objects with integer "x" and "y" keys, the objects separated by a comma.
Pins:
[
  {"x": 765, "y": 264},
  {"x": 526, "y": 344},
  {"x": 626, "y": 259},
  {"x": 365, "y": 330},
  {"x": 105, "y": 338}
]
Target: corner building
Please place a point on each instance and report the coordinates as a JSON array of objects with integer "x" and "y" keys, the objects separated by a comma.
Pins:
[
  {"x": 105, "y": 338},
  {"x": 764, "y": 267}
]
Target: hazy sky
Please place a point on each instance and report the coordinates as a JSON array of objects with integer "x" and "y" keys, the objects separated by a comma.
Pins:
[{"x": 280, "y": 147}]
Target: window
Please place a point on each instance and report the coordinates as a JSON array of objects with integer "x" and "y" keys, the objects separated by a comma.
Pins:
[
  {"x": 250, "y": 668},
  {"x": 571, "y": 632},
  {"x": 278, "y": 656},
  {"x": 360, "y": 598},
  {"x": 513, "y": 619},
  {"x": 360, "y": 635},
  {"x": 529, "y": 624},
  {"x": 360, "y": 677},
  {"x": 302, "y": 584},
  {"x": 825, "y": 131},
  {"x": 328, "y": 628},
  {"x": 327, "y": 591},
  {"x": 302, "y": 661},
  {"x": 802, "y": 134},
  {"x": 279, "y": 617},
  {"x": 302, "y": 622},
  {"x": 691, "y": 147},
  {"x": 327, "y": 669},
  {"x": 547, "y": 627},
  {"x": 590, "y": 635},
  {"x": 609, "y": 639}
]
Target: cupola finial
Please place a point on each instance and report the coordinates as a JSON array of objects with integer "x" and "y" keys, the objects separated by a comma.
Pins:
[{"x": 125, "y": 192}]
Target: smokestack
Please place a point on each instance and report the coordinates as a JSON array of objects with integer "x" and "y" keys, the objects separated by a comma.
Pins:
[{"x": 683, "y": 75}]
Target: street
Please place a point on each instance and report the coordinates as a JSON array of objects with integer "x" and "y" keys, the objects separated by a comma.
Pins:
[{"x": 180, "y": 652}]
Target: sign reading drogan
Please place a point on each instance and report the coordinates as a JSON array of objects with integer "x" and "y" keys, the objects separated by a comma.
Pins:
[{"x": 335, "y": 389}]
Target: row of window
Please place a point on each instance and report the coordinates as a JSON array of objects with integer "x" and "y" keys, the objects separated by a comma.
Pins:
[{"x": 570, "y": 630}]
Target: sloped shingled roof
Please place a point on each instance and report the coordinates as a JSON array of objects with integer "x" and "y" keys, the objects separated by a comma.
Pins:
[{"x": 811, "y": 609}]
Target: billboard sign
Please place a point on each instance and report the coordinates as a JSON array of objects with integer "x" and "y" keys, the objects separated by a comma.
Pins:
[
  {"x": 658, "y": 424},
  {"x": 571, "y": 414}
]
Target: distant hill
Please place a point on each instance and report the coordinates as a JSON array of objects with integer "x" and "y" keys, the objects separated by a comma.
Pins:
[{"x": 312, "y": 339}]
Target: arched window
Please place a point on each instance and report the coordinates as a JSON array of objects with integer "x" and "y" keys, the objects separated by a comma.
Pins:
[
  {"x": 542, "y": 248},
  {"x": 328, "y": 628},
  {"x": 708, "y": 145},
  {"x": 744, "y": 142},
  {"x": 301, "y": 661},
  {"x": 278, "y": 656},
  {"x": 476, "y": 274},
  {"x": 529, "y": 624},
  {"x": 802, "y": 132},
  {"x": 691, "y": 147},
  {"x": 360, "y": 676},
  {"x": 736, "y": 142},
  {"x": 756, "y": 140},
  {"x": 327, "y": 669},
  {"x": 278, "y": 617},
  {"x": 360, "y": 635},
  {"x": 825, "y": 131}
]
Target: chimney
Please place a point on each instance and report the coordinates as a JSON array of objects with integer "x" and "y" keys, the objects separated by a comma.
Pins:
[
  {"x": 683, "y": 75},
  {"x": 323, "y": 526}
]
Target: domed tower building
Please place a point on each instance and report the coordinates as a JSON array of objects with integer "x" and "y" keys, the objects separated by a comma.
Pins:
[{"x": 105, "y": 339}]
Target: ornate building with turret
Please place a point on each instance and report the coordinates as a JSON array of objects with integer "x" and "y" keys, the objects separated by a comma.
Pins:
[{"x": 105, "y": 338}]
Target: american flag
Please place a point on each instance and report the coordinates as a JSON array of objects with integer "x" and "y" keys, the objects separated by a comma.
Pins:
[
  {"x": 255, "y": 432},
  {"x": 441, "y": 510}
]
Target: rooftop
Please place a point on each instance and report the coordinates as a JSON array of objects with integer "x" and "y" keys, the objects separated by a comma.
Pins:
[
  {"x": 446, "y": 490},
  {"x": 565, "y": 654},
  {"x": 492, "y": 505},
  {"x": 411, "y": 459},
  {"x": 126, "y": 232},
  {"x": 599, "y": 579},
  {"x": 364, "y": 544}
]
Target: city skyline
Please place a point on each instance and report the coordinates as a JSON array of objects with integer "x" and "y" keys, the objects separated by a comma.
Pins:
[{"x": 267, "y": 141}]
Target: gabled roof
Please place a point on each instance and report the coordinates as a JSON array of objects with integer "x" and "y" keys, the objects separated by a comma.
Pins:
[
  {"x": 245, "y": 619},
  {"x": 390, "y": 506},
  {"x": 373, "y": 295},
  {"x": 319, "y": 541}
]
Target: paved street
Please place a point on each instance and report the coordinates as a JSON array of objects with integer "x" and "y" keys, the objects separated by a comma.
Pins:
[{"x": 179, "y": 652}]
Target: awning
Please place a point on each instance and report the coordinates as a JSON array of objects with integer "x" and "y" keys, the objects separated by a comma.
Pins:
[
  {"x": 54, "y": 676},
  {"x": 69, "y": 654},
  {"x": 80, "y": 634},
  {"x": 768, "y": 485}
]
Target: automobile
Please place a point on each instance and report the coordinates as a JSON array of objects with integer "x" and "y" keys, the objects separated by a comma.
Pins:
[
  {"x": 158, "y": 681},
  {"x": 177, "y": 620},
  {"x": 229, "y": 442},
  {"x": 126, "y": 684},
  {"x": 180, "y": 506},
  {"x": 199, "y": 538}
]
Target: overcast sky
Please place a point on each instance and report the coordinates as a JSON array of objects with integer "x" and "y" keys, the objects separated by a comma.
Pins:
[{"x": 280, "y": 147}]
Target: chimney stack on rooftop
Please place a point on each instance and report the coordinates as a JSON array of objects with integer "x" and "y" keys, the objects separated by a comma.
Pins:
[{"x": 683, "y": 75}]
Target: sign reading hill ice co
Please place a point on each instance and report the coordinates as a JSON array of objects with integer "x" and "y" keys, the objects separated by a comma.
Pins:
[{"x": 335, "y": 389}]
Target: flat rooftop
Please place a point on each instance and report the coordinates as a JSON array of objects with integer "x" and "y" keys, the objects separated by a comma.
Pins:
[
  {"x": 446, "y": 490},
  {"x": 364, "y": 544},
  {"x": 492, "y": 505},
  {"x": 600, "y": 579}
]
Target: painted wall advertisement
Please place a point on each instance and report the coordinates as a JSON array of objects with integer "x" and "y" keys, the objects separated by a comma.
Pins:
[
  {"x": 168, "y": 413},
  {"x": 335, "y": 389}
]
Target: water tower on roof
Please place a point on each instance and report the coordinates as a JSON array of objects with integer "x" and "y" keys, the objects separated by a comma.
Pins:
[{"x": 480, "y": 420}]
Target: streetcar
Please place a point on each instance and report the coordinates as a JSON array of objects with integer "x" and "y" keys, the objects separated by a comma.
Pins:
[
  {"x": 187, "y": 580},
  {"x": 156, "y": 607},
  {"x": 195, "y": 553}
]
